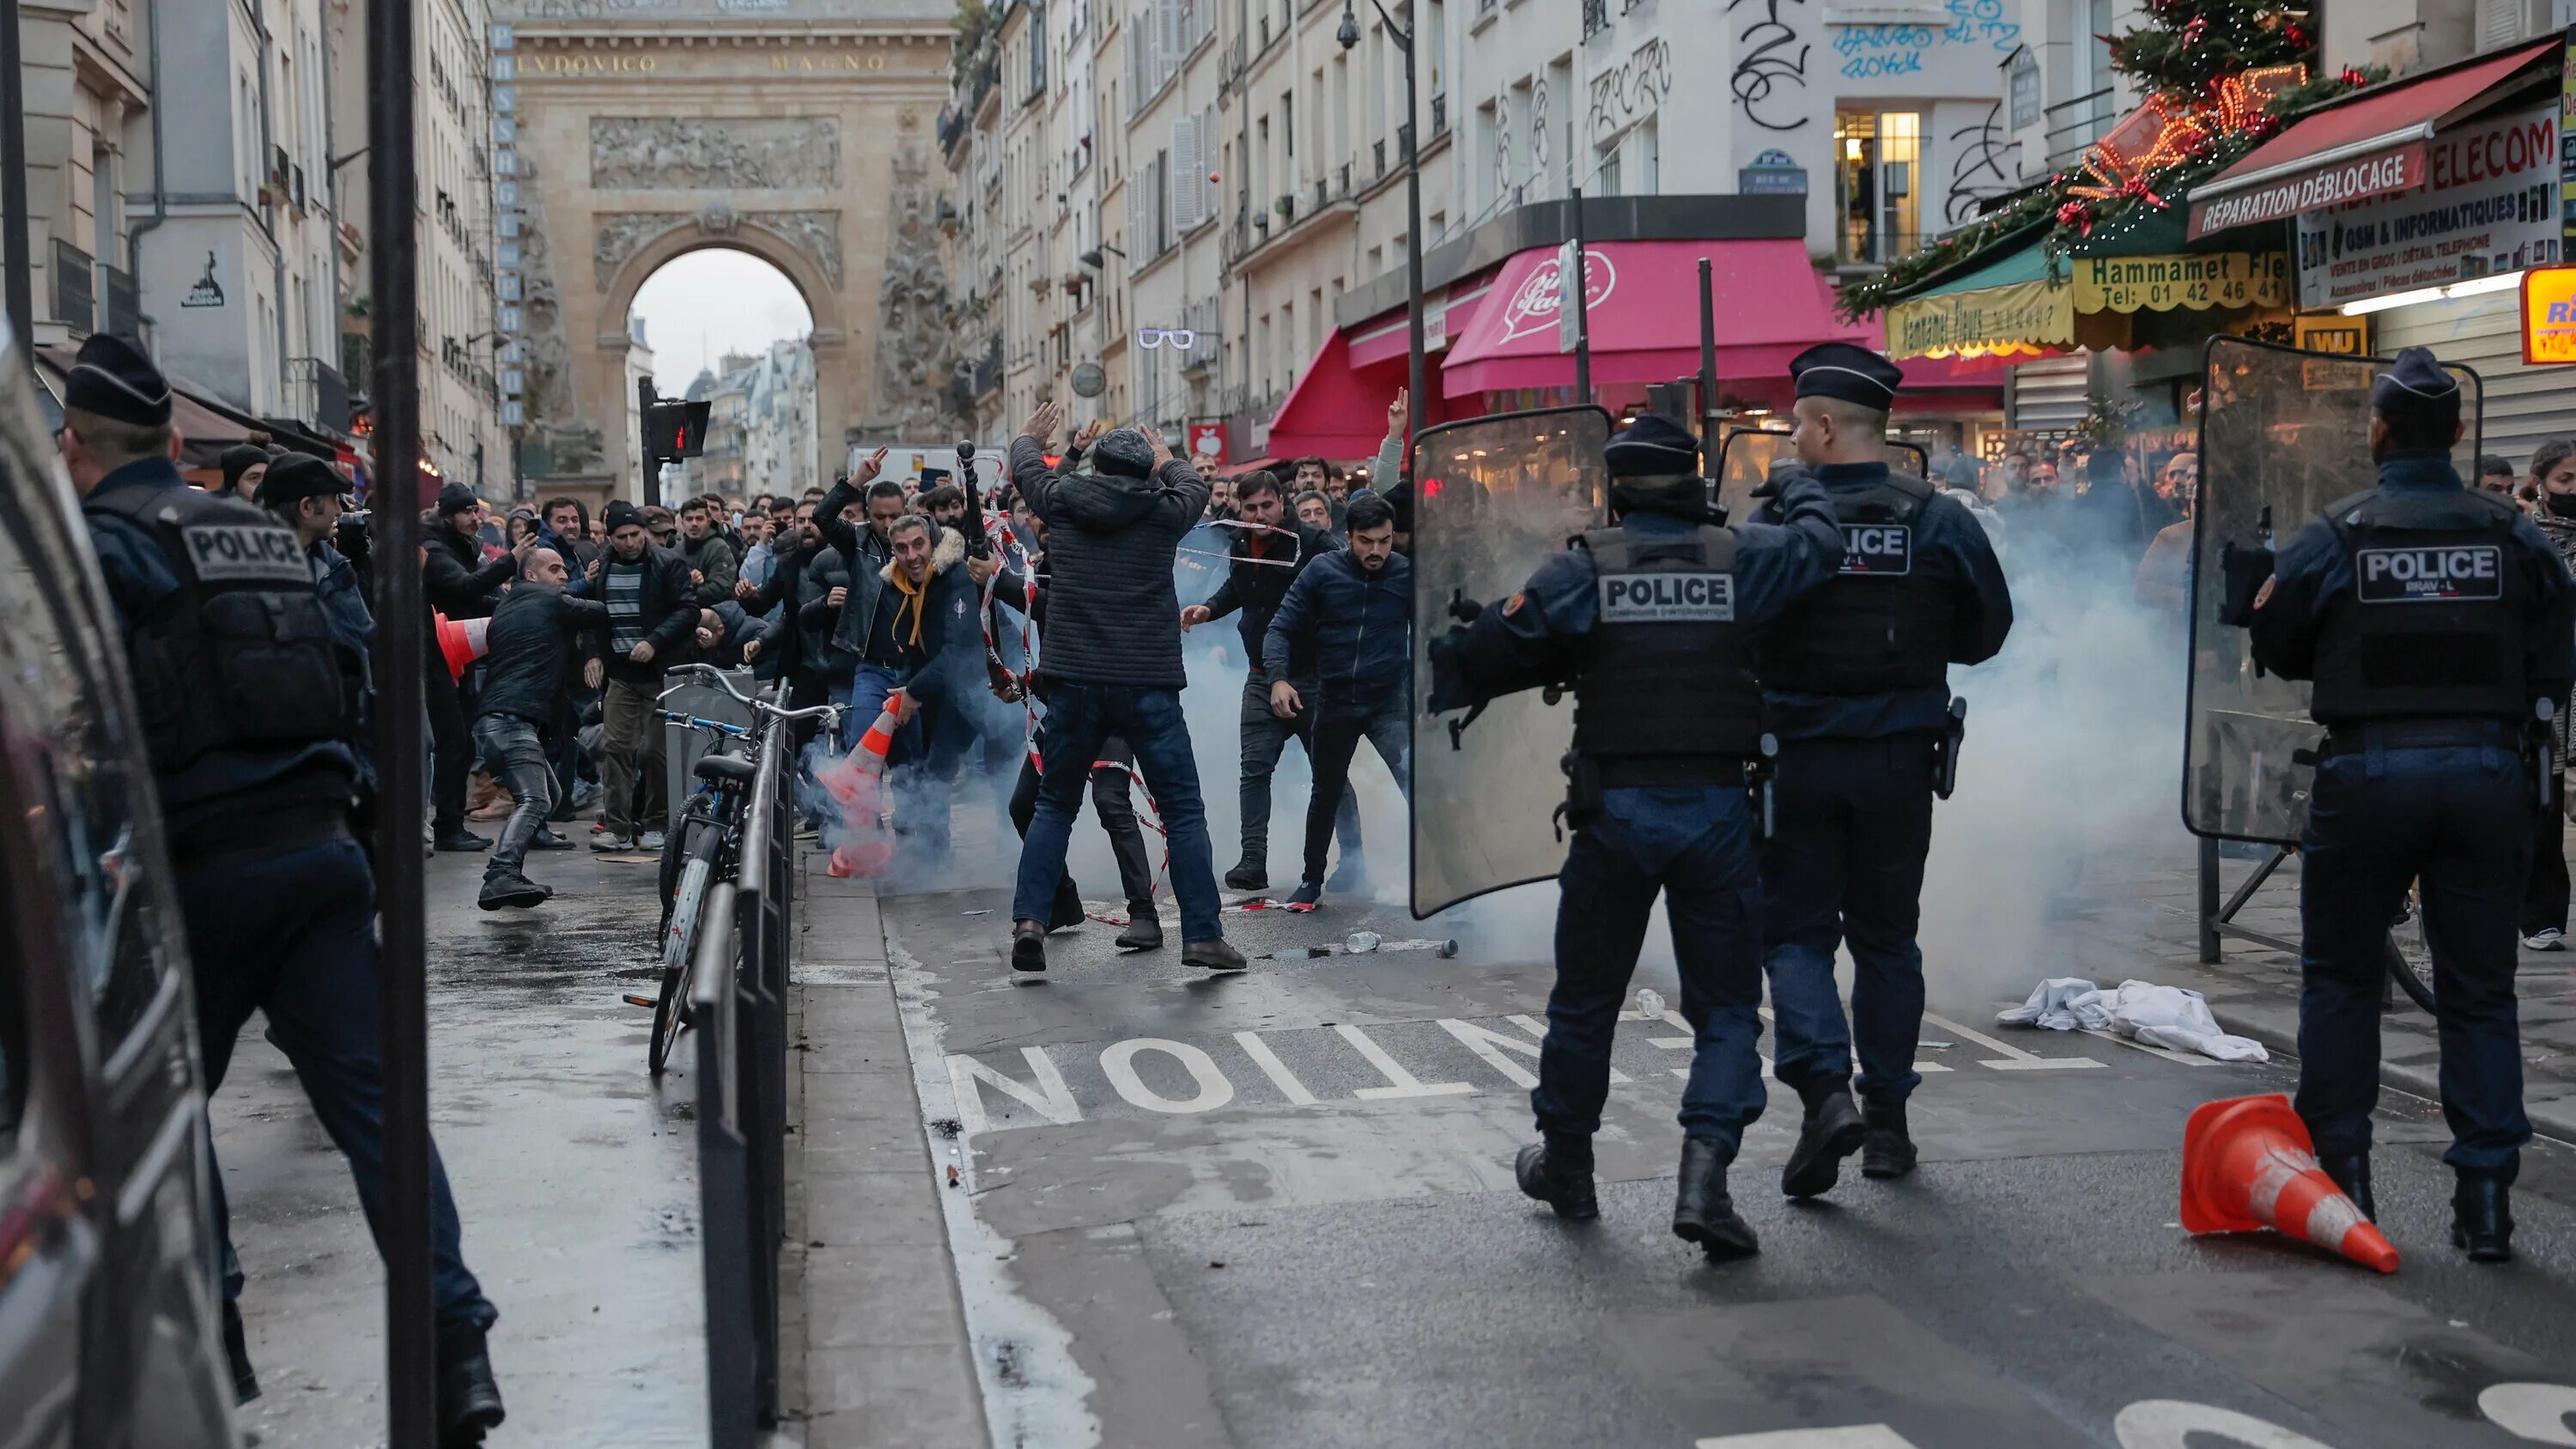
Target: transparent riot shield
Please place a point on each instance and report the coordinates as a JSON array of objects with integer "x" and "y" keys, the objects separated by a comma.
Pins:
[
  {"x": 1493, "y": 498},
  {"x": 2283, "y": 433},
  {"x": 1745, "y": 459}
]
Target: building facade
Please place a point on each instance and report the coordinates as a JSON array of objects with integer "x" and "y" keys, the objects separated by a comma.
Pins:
[{"x": 88, "y": 72}]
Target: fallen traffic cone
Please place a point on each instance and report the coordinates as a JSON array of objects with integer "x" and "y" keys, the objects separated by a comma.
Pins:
[
  {"x": 2248, "y": 1164},
  {"x": 461, "y": 643},
  {"x": 851, "y": 779}
]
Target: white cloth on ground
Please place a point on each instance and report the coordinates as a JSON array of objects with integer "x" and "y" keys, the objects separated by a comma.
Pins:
[
  {"x": 2061, "y": 1003},
  {"x": 2164, "y": 1016}
]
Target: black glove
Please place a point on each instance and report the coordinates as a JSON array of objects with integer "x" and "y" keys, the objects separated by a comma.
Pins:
[
  {"x": 2242, "y": 573},
  {"x": 1780, "y": 472},
  {"x": 1465, "y": 610},
  {"x": 1448, "y": 678}
]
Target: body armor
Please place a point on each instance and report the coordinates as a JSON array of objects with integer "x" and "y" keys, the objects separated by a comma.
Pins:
[
  {"x": 1882, "y": 624},
  {"x": 2433, "y": 625},
  {"x": 1666, "y": 671}
]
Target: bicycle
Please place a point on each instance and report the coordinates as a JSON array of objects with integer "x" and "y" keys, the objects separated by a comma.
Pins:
[{"x": 703, "y": 845}]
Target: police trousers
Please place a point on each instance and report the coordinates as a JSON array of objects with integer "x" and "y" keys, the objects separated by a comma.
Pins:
[
  {"x": 291, "y": 933},
  {"x": 2458, "y": 817},
  {"x": 1694, "y": 845},
  {"x": 1844, "y": 865}
]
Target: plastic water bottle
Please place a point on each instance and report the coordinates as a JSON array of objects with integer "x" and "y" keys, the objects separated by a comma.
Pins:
[
  {"x": 1360, "y": 943},
  {"x": 1650, "y": 1004}
]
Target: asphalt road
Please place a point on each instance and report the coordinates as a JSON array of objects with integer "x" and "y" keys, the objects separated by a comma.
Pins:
[{"x": 1276, "y": 1209}]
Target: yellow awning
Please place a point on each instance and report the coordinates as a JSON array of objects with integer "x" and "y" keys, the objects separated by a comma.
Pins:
[
  {"x": 2218, "y": 279},
  {"x": 2003, "y": 309}
]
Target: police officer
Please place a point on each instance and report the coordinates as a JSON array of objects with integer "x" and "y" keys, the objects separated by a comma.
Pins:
[
  {"x": 245, "y": 706},
  {"x": 1654, "y": 619},
  {"x": 1856, "y": 677},
  {"x": 308, "y": 495},
  {"x": 2429, "y": 617}
]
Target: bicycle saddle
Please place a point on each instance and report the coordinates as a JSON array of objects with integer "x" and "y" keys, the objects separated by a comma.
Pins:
[{"x": 725, "y": 767}]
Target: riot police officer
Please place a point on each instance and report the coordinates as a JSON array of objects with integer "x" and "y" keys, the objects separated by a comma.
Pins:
[
  {"x": 1654, "y": 619},
  {"x": 245, "y": 700},
  {"x": 2428, "y": 617},
  {"x": 1856, "y": 678}
]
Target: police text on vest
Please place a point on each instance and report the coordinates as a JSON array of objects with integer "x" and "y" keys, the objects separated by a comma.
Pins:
[
  {"x": 1878, "y": 550},
  {"x": 1668, "y": 598},
  {"x": 2430, "y": 574}
]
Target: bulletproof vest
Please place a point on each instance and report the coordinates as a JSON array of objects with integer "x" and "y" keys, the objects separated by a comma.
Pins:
[
  {"x": 240, "y": 656},
  {"x": 1881, "y": 624},
  {"x": 1667, "y": 670},
  {"x": 2434, "y": 623}
]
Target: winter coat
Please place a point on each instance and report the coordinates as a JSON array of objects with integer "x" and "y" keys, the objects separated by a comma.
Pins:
[
  {"x": 1252, "y": 591},
  {"x": 1112, "y": 615},
  {"x": 2561, "y": 533},
  {"x": 456, "y": 579},
  {"x": 1359, "y": 626},
  {"x": 718, "y": 560},
  {"x": 669, "y": 616},
  {"x": 530, "y": 642},
  {"x": 819, "y": 654},
  {"x": 863, "y": 556}
]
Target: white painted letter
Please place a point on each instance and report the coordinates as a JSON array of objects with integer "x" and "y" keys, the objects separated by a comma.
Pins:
[
  {"x": 1051, "y": 1100},
  {"x": 2170, "y": 1423},
  {"x": 1404, "y": 1084},
  {"x": 1119, "y": 1062}
]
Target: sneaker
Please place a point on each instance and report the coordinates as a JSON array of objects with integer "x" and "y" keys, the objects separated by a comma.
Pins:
[
  {"x": 649, "y": 840},
  {"x": 610, "y": 842},
  {"x": 2547, "y": 939},
  {"x": 585, "y": 795},
  {"x": 463, "y": 842},
  {"x": 1248, "y": 875},
  {"x": 1308, "y": 893},
  {"x": 512, "y": 890}
]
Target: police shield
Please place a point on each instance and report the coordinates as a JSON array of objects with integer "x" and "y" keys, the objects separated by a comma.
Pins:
[
  {"x": 2283, "y": 433},
  {"x": 1493, "y": 498},
  {"x": 1745, "y": 459}
]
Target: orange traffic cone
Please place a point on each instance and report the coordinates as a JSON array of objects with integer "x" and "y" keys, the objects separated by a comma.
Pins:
[
  {"x": 2248, "y": 1164},
  {"x": 461, "y": 643},
  {"x": 853, "y": 781}
]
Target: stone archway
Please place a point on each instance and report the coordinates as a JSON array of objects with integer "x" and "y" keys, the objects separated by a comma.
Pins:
[{"x": 807, "y": 143}]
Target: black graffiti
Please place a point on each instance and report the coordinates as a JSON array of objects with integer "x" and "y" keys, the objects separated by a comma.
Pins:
[
  {"x": 1634, "y": 89},
  {"x": 1763, "y": 63},
  {"x": 1977, "y": 166}
]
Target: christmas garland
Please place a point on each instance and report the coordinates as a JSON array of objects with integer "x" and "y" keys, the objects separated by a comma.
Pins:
[{"x": 2193, "y": 64}]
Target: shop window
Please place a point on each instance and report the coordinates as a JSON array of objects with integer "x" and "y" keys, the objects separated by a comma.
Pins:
[{"x": 1877, "y": 184}]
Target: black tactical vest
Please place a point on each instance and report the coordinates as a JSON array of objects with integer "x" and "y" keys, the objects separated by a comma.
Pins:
[
  {"x": 1882, "y": 623},
  {"x": 1667, "y": 671},
  {"x": 2434, "y": 624},
  {"x": 240, "y": 656}
]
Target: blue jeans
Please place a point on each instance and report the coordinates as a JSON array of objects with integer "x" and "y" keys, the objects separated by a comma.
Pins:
[
  {"x": 1845, "y": 864},
  {"x": 2459, "y": 817},
  {"x": 1080, "y": 718},
  {"x": 1694, "y": 844},
  {"x": 292, "y": 934}
]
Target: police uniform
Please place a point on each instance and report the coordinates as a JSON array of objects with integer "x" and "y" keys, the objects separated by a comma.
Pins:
[
  {"x": 1855, "y": 675},
  {"x": 288, "y": 481},
  {"x": 1654, "y": 620},
  {"x": 245, "y": 700},
  {"x": 2428, "y": 617}
]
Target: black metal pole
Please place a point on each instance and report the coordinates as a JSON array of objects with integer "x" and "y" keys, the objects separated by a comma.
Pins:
[
  {"x": 1708, "y": 439},
  {"x": 1581, "y": 285},
  {"x": 1413, "y": 360},
  {"x": 13, "y": 182},
  {"x": 401, "y": 616}
]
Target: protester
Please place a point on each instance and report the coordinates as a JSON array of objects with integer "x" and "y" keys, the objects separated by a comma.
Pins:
[
  {"x": 528, "y": 645},
  {"x": 946, "y": 505},
  {"x": 457, "y": 581},
  {"x": 864, "y": 551},
  {"x": 1220, "y": 505},
  {"x": 664, "y": 527},
  {"x": 712, "y": 560},
  {"x": 1269, "y": 554},
  {"x": 2545, "y": 893},
  {"x": 1354, "y": 609},
  {"x": 2496, "y": 475},
  {"x": 242, "y": 466},
  {"x": 1315, "y": 510},
  {"x": 647, "y": 591},
  {"x": 1112, "y": 666}
]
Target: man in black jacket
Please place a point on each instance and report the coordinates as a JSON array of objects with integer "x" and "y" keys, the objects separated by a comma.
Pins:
[
  {"x": 455, "y": 581},
  {"x": 530, "y": 641},
  {"x": 715, "y": 562},
  {"x": 864, "y": 554},
  {"x": 647, "y": 592},
  {"x": 1112, "y": 666},
  {"x": 1270, "y": 550}
]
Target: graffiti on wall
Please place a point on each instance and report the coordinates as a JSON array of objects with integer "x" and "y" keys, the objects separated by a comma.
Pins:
[
  {"x": 1983, "y": 165},
  {"x": 1873, "y": 52},
  {"x": 1629, "y": 93},
  {"x": 1771, "y": 66}
]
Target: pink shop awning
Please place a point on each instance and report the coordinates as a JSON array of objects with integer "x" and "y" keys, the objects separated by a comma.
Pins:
[{"x": 1384, "y": 337}]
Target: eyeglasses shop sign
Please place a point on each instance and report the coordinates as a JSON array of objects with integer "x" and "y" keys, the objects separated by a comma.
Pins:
[{"x": 2488, "y": 205}]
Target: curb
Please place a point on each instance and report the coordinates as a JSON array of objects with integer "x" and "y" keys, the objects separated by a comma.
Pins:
[{"x": 2547, "y": 1119}]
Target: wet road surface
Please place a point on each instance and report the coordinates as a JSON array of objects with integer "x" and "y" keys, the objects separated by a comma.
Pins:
[{"x": 1277, "y": 1209}]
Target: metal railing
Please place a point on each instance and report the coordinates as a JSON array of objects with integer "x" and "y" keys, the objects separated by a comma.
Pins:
[
  {"x": 2073, "y": 124},
  {"x": 738, "y": 1008}
]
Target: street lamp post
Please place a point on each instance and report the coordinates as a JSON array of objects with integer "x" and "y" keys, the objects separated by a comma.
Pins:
[{"x": 1349, "y": 36}]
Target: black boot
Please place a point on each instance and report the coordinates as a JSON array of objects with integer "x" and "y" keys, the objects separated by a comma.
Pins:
[
  {"x": 237, "y": 1351},
  {"x": 1831, "y": 1133},
  {"x": 1067, "y": 910},
  {"x": 1251, "y": 873},
  {"x": 1887, "y": 1151},
  {"x": 1144, "y": 928},
  {"x": 2482, "y": 1219},
  {"x": 1215, "y": 955},
  {"x": 469, "y": 1402},
  {"x": 2352, "y": 1174},
  {"x": 1028, "y": 946},
  {"x": 1557, "y": 1170},
  {"x": 1702, "y": 1212},
  {"x": 509, "y": 889}
]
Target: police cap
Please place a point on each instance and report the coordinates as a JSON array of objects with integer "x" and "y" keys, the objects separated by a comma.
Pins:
[
  {"x": 2418, "y": 389},
  {"x": 299, "y": 475},
  {"x": 1652, "y": 446},
  {"x": 111, "y": 378},
  {"x": 1847, "y": 373}
]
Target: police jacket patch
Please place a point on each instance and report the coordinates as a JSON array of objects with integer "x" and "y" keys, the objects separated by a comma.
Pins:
[
  {"x": 1668, "y": 598},
  {"x": 1878, "y": 550},
  {"x": 2430, "y": 573}
]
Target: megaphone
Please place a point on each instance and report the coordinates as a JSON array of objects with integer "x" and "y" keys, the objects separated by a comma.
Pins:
[{"x": 460, "y": 644}]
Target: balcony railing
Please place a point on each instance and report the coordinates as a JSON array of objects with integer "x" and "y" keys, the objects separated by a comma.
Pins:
[
  {"x": 2075, "y": 124},
  {"x": 124, "y": 301},
  {"x": 317, "y": 393},
  {"x": 1596, "y": 17},
  {"x": 1377, "y": 148},
  {"x": 73, "y": 304},
  {"x": 1440, "y": 114}
]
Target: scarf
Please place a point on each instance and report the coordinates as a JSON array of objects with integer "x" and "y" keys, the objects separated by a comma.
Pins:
[{"x": 912, "y": 594}]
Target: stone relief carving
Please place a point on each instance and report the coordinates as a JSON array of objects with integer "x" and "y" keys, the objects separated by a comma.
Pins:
[
  {"x": 919, "y": 365},
  {"x": 624, "y": 233},
  {"x": 568, "y": 444},
  {"x": 815, "y": 233},
  {"x": 666, "y": 153}
]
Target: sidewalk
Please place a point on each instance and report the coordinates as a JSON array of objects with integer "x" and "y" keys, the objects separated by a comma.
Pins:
[
  {"x": 2140, "y": 917},
  {"x": 873, "y": 1337}
]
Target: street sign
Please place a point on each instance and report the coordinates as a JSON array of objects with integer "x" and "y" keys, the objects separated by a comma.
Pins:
[
  {"x": 2025, "y": 90},
  {"x": 1772, "y": 173},
  {"x": 1090, "y": 380}
]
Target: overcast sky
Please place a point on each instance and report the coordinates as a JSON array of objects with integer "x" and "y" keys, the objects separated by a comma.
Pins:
[{"x": 709, "y": 303}]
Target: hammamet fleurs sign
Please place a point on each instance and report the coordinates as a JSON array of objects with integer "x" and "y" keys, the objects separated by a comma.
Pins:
[{"x": 2222, "y": 279}]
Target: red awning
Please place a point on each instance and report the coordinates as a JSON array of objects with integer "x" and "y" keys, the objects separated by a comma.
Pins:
[
  {"x": 1644, "y": 316},
  {"x": 1336, "y": 411},
  {"x": 2370, "y": 145},
  {"x": 1386, "y": 335}
]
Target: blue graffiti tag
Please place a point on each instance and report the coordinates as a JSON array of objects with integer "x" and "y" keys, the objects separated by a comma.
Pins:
[{"x": 1873, "y": 51}]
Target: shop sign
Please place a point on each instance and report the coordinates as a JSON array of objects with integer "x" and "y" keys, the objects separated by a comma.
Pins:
[
  {"x": 2488, "y": 206},
  {"x": 2549, "y": 315},
  {"x": 2019, "y": 317},
  {"x": 2223, "y": 279},
  {"x": 1207, "y": 440},
  {"x": 2398, "y": 170}
]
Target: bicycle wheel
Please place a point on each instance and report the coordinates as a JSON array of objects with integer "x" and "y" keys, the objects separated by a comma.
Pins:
[
  {"x": 2416, "y": 987},
  {"x": 680, "y": 941}
]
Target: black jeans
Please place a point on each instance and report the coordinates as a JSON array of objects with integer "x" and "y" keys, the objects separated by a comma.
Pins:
[
  {"x": 2544, "y": 891},
  {"x": 1387, "y": 725},
  {"x": 1265, "y": 738},
  {"x": 451, "y": 747},
  {"x": 512, "y": 742},
  {"x": 1112, "y": 803}
]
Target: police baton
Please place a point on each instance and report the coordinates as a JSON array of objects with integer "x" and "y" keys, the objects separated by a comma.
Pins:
[
  {"x": 2544, "y": 715},
  {"x": 1758, "y": 775},
  {"x": 1945, "y": 755}
]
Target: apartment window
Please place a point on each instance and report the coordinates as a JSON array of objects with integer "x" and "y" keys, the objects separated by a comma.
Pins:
[
  {"x": 1876, "y": 181},
  {"x": 1650, "y": 153},
  {"x": 1607, "y": 177}
]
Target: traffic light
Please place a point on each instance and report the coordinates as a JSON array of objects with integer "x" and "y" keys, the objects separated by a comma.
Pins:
[{"x": 675, "y": 430}]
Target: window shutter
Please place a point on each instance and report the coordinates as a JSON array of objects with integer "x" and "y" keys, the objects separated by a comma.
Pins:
[
  {"x": 2500, "y": 22},
  {"x": 1189, "y": 191}
]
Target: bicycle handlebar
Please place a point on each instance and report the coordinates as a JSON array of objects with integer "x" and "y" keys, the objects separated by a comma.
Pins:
[{"x": 725, "y": 683}]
